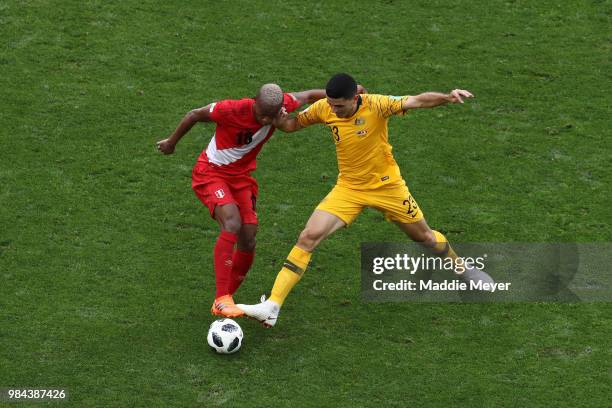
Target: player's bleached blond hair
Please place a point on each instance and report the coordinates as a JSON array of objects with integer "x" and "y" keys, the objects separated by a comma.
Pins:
[{"x": 270, "y": 98}]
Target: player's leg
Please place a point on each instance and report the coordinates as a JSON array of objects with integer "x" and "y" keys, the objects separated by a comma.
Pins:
[
  {"x": 437, "y": 243},
  {"x": 230, "y": 223},
  {"x": 244, "y": 254},
  {"x": 228, "y": 217},
  {"x": 433, "y": 240},
  {"x": 245, "y": 192},
  {"x": 216, "y": 195},
  {"x": 320, "y": 225},
  {"x": 410, "y": 219},
  {"x": 337, "y": 210},
  {"x": 400, "y": 207}
]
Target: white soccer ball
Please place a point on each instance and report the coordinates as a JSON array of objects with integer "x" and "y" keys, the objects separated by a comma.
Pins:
[{"x": 225, "y": 336}]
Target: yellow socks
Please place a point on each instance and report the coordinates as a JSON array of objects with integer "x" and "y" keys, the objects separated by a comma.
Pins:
[
  {"x": 442, "y": 247},
  {"x": 292, "y": 272}
]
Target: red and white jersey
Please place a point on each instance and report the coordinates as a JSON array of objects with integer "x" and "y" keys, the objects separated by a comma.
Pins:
[{"x": 238, "y": 137}]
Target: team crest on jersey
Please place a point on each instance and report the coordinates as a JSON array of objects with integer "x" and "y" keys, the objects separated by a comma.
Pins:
[
  {"x": 362, "y": 132},
  {"x": 359, "y": 121},
  {"x": 220, "y": 193}
]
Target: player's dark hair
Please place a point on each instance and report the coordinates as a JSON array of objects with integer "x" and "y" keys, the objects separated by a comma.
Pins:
[{"x": 341, "y": 86}]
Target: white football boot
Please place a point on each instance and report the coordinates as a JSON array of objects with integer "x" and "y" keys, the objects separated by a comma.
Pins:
[
  {"x": 473, "y": 274},
  {"x": 265, "y": 312}
]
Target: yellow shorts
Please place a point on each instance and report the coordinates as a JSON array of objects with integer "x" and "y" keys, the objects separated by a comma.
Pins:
[{"x": 393, "y": 200}]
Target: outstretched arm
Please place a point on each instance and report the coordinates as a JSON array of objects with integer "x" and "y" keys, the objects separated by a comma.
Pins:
[
  {"x": 167, "y": 146},
  {"x": 433, "y": 99}
]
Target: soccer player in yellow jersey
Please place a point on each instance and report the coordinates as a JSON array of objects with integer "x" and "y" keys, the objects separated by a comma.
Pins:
[{"x": 368, "y": 177}]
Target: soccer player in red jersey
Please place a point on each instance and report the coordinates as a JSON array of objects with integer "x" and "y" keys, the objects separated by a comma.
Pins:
[{"x": 222, "y": 179}]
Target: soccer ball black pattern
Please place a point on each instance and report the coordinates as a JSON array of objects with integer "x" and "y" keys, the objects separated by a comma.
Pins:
[{"x": 225, "y": 336}]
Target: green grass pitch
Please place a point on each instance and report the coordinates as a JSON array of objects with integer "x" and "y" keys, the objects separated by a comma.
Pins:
[{"x": 105, "y": 252}]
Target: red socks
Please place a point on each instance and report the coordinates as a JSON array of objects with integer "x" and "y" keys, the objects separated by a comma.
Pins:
[
  {"x": 224, "y": 249},
  {"x": 241, "y": 261},
  {"x": 231, "y": 266}
]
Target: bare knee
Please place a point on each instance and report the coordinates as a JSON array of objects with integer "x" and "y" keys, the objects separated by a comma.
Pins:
[
  {"x": 232, "y": 225},
  {"x": 229, "y": 218},
  {"x": 231, "y": 222}
]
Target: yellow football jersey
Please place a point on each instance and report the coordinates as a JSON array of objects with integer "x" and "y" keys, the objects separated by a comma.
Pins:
[{"x": 363, "y": 151}]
